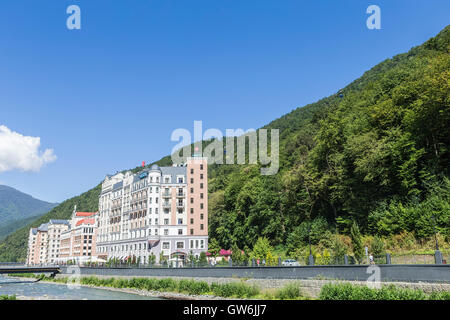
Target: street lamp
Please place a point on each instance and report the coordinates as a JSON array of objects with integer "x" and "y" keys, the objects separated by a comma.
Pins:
[
  {"x": 437, "y": 253},
  {"x": 434, "y": 229},
  {"x": 310, "y": 258}
]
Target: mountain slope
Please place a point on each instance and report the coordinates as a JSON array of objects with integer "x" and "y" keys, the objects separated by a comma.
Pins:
[
  {"x": 16, "y": 206},
  {"x": 378, "y": 154},
  {"x": 9, "y": 228}
]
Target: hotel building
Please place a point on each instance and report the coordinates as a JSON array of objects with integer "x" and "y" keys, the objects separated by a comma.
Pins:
[
  {"x": 44, "y": 242},
  {"x": 161, "y": 211},
  {"x": 78, "y": 243}
]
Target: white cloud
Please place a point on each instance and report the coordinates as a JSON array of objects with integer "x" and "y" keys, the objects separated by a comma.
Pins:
[{"x": 22, "y": 152}]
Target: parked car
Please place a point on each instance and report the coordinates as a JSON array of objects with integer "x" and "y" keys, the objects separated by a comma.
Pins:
[{"x": 290, "y": 263}]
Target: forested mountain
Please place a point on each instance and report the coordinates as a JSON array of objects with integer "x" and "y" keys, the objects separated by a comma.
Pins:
[
  {"x": 16, "y": 206},
  {"x": 8, "y": 228},
  {"x": 375, "y": 153}
]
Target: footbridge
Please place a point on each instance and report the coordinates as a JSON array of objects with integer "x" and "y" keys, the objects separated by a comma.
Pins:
[{"x": 16, "y": 269}]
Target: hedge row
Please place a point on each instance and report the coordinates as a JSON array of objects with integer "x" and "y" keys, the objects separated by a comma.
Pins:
[
  {"x": 346, "y": 291},
  {"x": 193, "y": 287}
]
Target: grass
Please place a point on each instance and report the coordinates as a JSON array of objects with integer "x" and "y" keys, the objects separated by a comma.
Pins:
[
  {"x": 7, "y": 297},
  {"x": 186, "y": 286},
  {"x": 347, "y": 291}
]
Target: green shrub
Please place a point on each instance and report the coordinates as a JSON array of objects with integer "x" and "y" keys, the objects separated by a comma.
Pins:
[
  {"x": 347, "y": 291},
  {"x": 234, "y": 289},
  {"x": 167, "y": 284},
  {"x": 290, "y": 291},
  {"x": 440, "y": 295},
  {"x": 152, "y": 284},
  {"x": 193, "y": 287}
]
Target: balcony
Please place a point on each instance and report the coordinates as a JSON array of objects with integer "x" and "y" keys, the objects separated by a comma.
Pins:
[
  {"x": 180, "y": 204},
  {"x": 166, "y": 195},
  {"x": 181, "y": 194},
  {"x": 166, "y": 204}
]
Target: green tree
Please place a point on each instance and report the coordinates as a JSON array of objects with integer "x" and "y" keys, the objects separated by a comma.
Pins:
[
  {"x": 377, "y": 246},
  {"x": 202, "y": 258},
  {"x": 152, "y": 259},
  {"x": 338, "y": 250},
  {"x": 236, "y": 255},
  {"x": 358, "y": 249},
  {"x": 261, "y": 249},
  {"x": 214, "y": 248}
]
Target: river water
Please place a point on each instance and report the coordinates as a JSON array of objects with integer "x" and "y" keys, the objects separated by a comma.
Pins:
[{"x": 30, "y": 290}]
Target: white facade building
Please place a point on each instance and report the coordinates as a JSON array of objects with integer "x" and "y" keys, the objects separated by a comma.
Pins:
[{"x": 161, "y": 211}]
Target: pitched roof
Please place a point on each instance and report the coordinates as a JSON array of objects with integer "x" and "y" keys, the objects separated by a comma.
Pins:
[
  {"x": 85, "y": 214},
  {"x": 58, "y": 221},
  {"x": 43, "y": 227},
  {"x": 85, "y": 221}
]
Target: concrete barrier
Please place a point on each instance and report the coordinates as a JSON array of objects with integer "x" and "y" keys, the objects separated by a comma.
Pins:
[{"x": 405, "y": 273}]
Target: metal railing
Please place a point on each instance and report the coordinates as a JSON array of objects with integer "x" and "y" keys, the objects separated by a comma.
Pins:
[{"x": 384, "y": 259}]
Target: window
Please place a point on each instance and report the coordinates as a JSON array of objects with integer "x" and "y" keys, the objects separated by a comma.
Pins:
[
  {"x": 201, "y": 205},
  {"x": 192, "y": 200},
  {"x": 180, "y": 221},
  {"x": 180, "y": 211},
  {"x": 192, "y": 180},
  {"x": 166, "y": 221},
  {"x": 201, "y": 176},
  {"x": 201, "y": 195},
  {"x": 192, "y": 210},
  {"x": 201, "y": 185},
  {"x": 180, "y": 180},
  {"x": 166, "y": 245},
  {"x": 192, "y": 231},
  {"x": 180, "y": 245},
  {"x": 166, "y": 232},
  {"x": 201, "y": 226},
  {"x": 192, "y": 221},
  {"x": 192, "y": 190},
  {"x": 201, "y": 167},
  {"x": 180, "y": 231},
  {"x": 201, "y": 216},
  {"x": 192, "y": 171}
]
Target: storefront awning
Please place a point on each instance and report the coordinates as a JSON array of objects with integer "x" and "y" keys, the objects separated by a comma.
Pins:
[{"x": 152, "y": 243}]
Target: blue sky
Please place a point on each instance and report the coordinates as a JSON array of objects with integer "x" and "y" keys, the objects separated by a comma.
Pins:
[{"x": 108, "y": 96}]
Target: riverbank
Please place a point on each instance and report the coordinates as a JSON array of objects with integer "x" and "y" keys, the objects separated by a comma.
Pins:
[
  {"x": 308, "y": 288},
  {"x": 272, "y": 289},
  {"x": 139, "y": 292}
]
